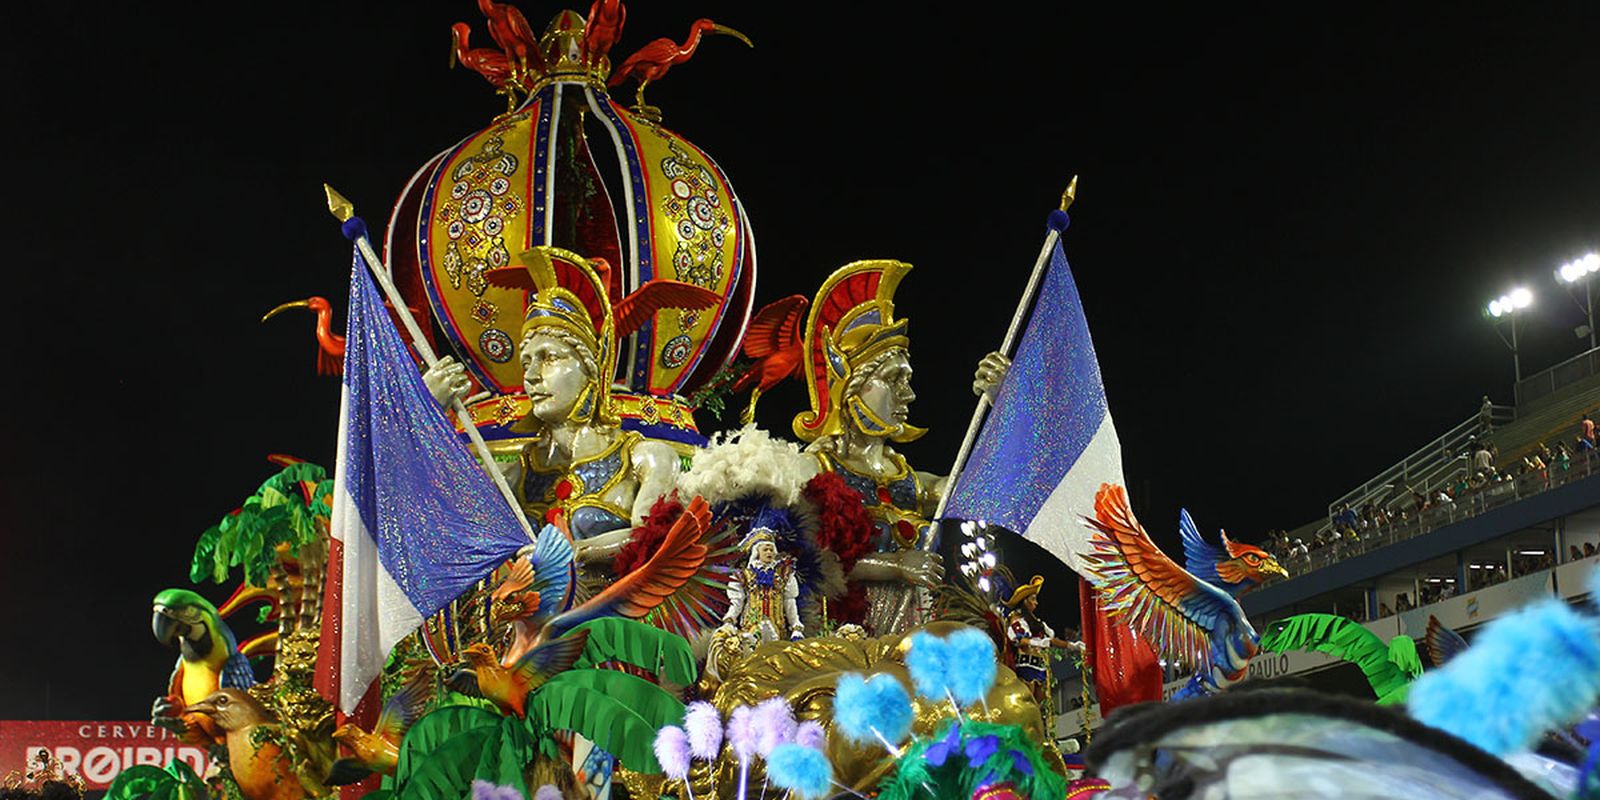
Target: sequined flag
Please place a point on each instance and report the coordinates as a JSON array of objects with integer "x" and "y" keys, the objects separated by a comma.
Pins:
[
  {"x": 416, "y": 521},
  {"x": 1048, "y": 443}
]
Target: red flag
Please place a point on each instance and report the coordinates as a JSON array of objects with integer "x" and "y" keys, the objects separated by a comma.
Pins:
[{"x": 1125, "y": 667}]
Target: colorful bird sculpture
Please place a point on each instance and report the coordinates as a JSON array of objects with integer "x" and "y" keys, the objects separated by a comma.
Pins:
[
  {"x": 510, "y": 30},
  {"x": 775, "y": 341},
  {"x": 602, "y": 29},
  {"x": 653, "y": 60},
  {"x": 508, "y": 687},
  {"x": 492, "y": 64},
  {"x": 253, "y": 736},
  {"x": 330, "y": 345},
  {"x": 208, "y": 660},
  {"x": 1235, "y": 567},
  {"x": 377, "y": 751},
  {"x": 1183, "y": 617}
]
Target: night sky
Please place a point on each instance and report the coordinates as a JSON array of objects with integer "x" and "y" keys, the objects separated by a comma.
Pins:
[{"x": 1288, "y": 223}]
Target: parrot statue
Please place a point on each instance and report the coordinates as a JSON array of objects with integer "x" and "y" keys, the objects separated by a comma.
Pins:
[
  {"x": 508, "y": 687},
  {"x": 253, "y": 737},
  {"x": 1183, "y": 617},
  {"x": 209, "y": 659},
  {"x": 1235, "y": 567},
  {"x": 378, "y": 750}
]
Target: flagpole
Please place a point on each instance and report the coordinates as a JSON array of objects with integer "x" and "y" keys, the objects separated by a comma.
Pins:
[
  {"x": 976, "y": 424},
  {"x": 345, "y": 212}
]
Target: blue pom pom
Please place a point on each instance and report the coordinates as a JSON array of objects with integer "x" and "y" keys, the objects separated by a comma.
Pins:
[
  {"x": 867, "y": 709},
  {"x": 801, "y": 770},
  {"x": 972, "y": 664},
  {"x": 1527, "y": 672},
  {"x": 928, "y": 661}
]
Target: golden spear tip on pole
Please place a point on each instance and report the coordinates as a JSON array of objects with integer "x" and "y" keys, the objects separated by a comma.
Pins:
[
  {"x": 1066, "y": 197},
  {"x": 337, "y": 204}
]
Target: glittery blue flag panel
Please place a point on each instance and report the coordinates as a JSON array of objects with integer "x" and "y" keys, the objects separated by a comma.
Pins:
[
  {"x": 1049, "y": 418},
  {"x": 439, "y": 522}
]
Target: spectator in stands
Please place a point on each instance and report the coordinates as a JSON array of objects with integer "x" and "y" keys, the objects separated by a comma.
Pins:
[
  {"x": 1574, "y": 554},
  {"x": 1563, "y": 457},
  {"x": 1299, "y": 550},
  {"x": 1384, "y": 611},
  {"x": 1402, "y": 602},
  {"x": 1345, "y": 519},
  {"x": 1483, "y": 459},
  {"x": 1486, "y": 413},
  {"x": 1586, "y": 430},
  {"x": 1588, "y": 549}
]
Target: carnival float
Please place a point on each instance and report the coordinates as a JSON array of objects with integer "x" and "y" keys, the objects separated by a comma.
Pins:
[{"x": 531, "y": 572}]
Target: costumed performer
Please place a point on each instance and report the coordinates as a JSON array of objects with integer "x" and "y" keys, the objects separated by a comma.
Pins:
[
  {"x": 1031, "y": 640},
  {"x": 763, "y": 594}
]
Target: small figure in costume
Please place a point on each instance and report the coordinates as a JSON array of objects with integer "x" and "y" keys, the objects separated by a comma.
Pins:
[
  {"x": 763, "y": 594},
  {"x": 580, "y": 468},
  {"x": 1030, "y": 639}
]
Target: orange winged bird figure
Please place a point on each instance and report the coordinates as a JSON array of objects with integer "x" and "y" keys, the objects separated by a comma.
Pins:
[
  {"x": 1183, "y": 617},
  {"x": 1235, "y": 567}
]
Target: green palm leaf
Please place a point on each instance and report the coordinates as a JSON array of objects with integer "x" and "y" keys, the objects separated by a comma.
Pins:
[
  {"x": 647, "y": 647},
  {"x": 1388, "y": 672},
  {"x": 616, "y": 711}
]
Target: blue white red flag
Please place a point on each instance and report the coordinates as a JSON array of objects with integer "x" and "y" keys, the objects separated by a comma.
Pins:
[
  {"x": 416, "y": 521},
  {"x": 1048, "y": 443}
]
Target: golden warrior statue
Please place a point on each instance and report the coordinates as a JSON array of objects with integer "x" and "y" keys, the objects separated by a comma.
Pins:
[{"x": 580, "y": 468}]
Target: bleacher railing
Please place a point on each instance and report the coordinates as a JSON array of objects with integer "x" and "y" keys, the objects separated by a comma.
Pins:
[
  {"x": 1566, "y": 373},
  {"x": 1433, "y": 465},
  {"x": 1439, "y": 514}
]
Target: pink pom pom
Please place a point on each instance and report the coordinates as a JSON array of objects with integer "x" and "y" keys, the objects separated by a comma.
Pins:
[
  {"x": 547, "y": 792},
  {"x": 811, "y": 734},
  {"x": 672, "y": 751},
  {"x": 704, "y": 726},
  {"x": 741, "y": 732},
  {"x": 774, "y": 724}
]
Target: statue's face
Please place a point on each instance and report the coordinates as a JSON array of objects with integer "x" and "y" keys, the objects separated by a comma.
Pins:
[
  {"x": 552, "y": 375},
  {"x": 887, "y": 391},
  {"x": 766, "y": 553}
]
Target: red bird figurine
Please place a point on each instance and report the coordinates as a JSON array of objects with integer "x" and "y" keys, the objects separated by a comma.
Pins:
[
  {"x": 776, "y": 341},
  {"x": 492, "y": 64},
  {"x": 509, "y": 29},
  {"x": 602, "y": 29},
  {"x": 330, "y": 345},
  {"x": 654, "y": 59}
]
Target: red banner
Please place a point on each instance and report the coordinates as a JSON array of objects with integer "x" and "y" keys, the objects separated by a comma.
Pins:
[{"x": 97, "y": 750}]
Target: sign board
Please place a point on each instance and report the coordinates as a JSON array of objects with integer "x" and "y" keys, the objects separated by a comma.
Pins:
[{"x": 95, "y": 749}]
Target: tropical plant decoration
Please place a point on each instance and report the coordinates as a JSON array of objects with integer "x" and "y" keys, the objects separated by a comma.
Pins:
[
  {"x": 146, "y": 782},
  {"x": 449, "y": 748},
  {"x": 1390, "y": 668},
  {"x": 289, "y": 511}
]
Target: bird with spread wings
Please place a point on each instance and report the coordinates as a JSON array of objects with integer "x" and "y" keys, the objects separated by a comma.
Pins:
[{"x": 1185, "y": 618}]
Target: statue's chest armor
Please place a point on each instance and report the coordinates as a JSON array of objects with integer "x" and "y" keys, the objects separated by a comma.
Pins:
[{"x": 594, "y": 495}]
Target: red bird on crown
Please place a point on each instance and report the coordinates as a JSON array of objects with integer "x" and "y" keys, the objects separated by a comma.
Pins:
[{"x": 654, "y": 59}]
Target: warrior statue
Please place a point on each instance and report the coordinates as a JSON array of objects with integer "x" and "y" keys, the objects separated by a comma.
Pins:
[
  {"x": 579, "y": 469},
  {"x": 857, "y": 366}
]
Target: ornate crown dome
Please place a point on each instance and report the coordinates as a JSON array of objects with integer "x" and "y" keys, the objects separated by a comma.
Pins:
[{"x": 661, "y": 208}]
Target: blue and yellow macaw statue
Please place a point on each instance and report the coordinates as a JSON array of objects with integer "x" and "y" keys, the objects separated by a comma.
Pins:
[
  {"x": 1183, "y": 617},
  {"x": 209, "y": 659}
]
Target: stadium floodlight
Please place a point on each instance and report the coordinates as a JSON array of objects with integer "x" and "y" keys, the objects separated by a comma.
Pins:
[
  {"x": 1571, "y": 273},
  {"x": 1507, "y": 305}
]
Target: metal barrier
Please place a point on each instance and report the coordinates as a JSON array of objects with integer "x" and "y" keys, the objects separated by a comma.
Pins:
[
  {"x": 1566, "y": 373},
  {"x": 1475, "y": 502},
  {"x": 1431, "y": 466}
]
